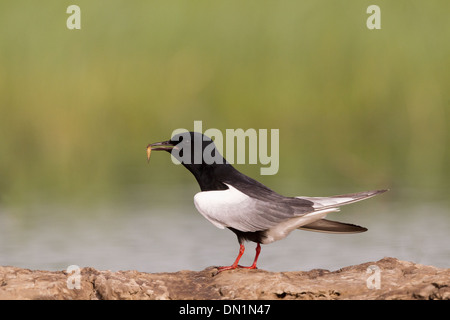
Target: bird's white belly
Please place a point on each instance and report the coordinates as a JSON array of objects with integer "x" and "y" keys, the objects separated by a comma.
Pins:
[{"x": 222, "y": 207}]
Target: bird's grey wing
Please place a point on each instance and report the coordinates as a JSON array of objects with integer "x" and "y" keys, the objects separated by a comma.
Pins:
[
  {"x": 235, "y": 209},
  {"x": 320, "y": 203},
  {"x": 261, "y": 215},
  {"x": 257, "y": 190},
  {"x": 324, "y": 203}
]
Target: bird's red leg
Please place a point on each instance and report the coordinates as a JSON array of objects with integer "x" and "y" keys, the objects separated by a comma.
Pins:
[
  {"x": 235, "y": 264},
  {"x": 253, "y": 266}
]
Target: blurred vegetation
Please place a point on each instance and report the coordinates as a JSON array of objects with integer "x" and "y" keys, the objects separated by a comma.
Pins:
[{"x": 356, "y": 109}]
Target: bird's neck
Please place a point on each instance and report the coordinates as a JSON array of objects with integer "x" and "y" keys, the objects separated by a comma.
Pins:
[{"x": 208, "y": 176}]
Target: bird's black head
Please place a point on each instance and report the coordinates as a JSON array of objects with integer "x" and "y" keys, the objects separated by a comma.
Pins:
[{"x": 196, "y": 152}]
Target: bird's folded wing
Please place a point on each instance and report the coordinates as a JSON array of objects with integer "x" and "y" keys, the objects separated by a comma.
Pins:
[
  {"x": 263, "y": 215},
  {"x": 336, "y": 201},
  {"x": 233, "y": 208}
]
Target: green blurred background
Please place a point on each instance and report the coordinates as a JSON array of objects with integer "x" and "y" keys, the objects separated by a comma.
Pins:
[{"x": 357, "y": 109}]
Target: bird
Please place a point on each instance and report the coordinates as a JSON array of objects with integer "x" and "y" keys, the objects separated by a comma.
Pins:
[{"x": 230, "y": 199}]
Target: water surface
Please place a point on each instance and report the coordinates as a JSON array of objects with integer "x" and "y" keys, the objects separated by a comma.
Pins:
[{"x": 161, "y": 239}]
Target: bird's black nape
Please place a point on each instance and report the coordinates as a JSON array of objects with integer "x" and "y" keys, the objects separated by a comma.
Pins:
[{"x": 197, "y": 153}]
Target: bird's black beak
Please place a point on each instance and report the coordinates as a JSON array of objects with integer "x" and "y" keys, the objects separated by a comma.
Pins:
[{"x": 158, "y": 146}]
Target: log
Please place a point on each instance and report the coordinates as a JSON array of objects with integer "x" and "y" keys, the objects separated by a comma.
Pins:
[{"x": 388, "y": 278}]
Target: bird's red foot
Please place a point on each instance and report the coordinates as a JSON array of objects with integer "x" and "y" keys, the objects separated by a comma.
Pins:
[
  {"x": 220, "y": 269},
  {"x": 232, "y": 267},
  {"x": 235, "y": 264},
  {"x": 250, "y": 267}
]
